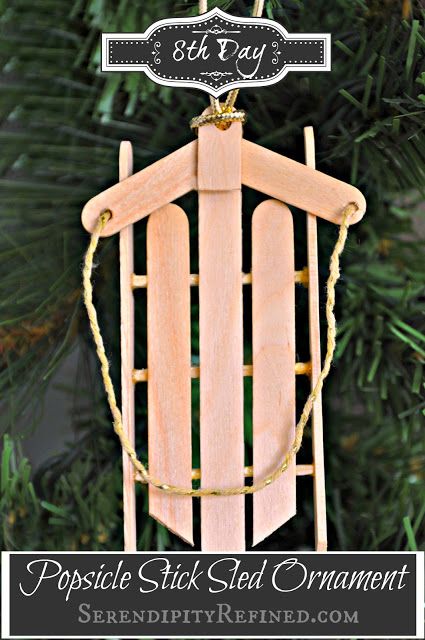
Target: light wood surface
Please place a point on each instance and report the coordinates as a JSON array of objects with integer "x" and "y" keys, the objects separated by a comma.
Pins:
[
  {"x": 273, "y": 345},
  {"x": 127, "y": 358},
  {"x": 169, "y": 355},
  {"x": 314, "y": 329},
  {"x": 221, "y": 343},
  {"x": 261, "y": 169},
  {"x": 160, "y": 183},
  {"x": 298, "y": 185},
  {"x": 219, "y": 164}
]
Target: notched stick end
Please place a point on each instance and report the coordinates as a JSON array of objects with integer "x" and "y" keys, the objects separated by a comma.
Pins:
[
  {"x": 90, "y": 215},
  {"x": 360, "y": 201}
]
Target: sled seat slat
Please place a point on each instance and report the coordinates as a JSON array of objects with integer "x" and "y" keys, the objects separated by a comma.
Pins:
[
  {"x": 273, "y": 346},
  {"x": 169, "y": 356},
  {"x": 220, "y": 336}
]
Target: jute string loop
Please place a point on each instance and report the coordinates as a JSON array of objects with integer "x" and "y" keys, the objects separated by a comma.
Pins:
[
  {"x": 224, "y": 114},
  {"x": 142, "y": 473},
  {"x": 222, "y": 118}
]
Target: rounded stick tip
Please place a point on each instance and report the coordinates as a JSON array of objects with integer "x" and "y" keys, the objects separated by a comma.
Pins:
[{"x": 360, "y": 201}]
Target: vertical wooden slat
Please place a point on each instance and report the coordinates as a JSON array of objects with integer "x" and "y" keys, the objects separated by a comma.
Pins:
[
  {"x": 314, "y": 322},
  {"x": 127, "y": 357},
  {"x": 273, "y": 336},
  {"x": 221, "y": 339},
  {"x": 169, "y": 381}
]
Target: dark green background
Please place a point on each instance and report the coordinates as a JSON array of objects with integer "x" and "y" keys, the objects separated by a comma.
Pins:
[{"x": 61, "y": 123}]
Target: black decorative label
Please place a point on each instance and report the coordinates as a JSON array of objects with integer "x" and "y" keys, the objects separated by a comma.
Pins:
[
  {"x": 216, "y": 52},
  {"x": 211, "y": 595}
]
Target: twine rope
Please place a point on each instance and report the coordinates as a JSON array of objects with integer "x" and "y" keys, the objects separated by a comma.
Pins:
[
  {"x": 143, "y": 474},
  {"x": 223, "y": 114},
  {"x": 222, "y": 118}
]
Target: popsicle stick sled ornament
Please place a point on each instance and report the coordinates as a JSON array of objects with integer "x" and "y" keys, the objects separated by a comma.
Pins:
[
  {"x": 217, "y": 165},
  {"x": 220, "y": 280}
]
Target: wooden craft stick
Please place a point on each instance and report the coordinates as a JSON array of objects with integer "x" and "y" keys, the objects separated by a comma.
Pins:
[
  {"x": 314, "y": 329},
  {"x": 169, "y": 355},
  {"x": 298, "y": 185},
  {"x": 301, "y": 369},
  {"x": 221, "y": 342},
  {"x": 263, "y": 170},
  {"x": 141, "y": 282},
  {"x": 160, "y": 183},
  {"x": 273, "y": 337},
  {"x": 127, "y": 358}
]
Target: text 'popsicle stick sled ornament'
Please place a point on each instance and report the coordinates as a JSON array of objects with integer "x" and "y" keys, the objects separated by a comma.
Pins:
[{"x": 217, "y": 165}]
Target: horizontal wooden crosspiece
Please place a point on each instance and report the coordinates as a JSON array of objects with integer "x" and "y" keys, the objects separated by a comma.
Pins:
[
  {"x": 141, "y": 282},
  {"x": 301, "y": 470},
  {"x": 177, "y": 174},
  {"x": 301, "y": 369}
]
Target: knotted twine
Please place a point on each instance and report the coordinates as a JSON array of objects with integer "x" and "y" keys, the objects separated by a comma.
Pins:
[
  {"x": 223, "y": 114},
  {"x": 142, "y": 473}
]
